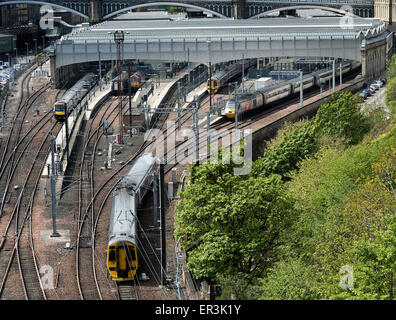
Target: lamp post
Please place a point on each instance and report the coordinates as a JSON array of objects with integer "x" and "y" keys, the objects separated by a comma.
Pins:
[
  {"x": 12, "y": 71},
  {"x": 210, "y": 73},
  {"x": 16, "y": 55},
  {"x": 43, "y": 37},
  {"x": 341, "y": 75},
  {"x": 188, "y": 66},
  {"x": 53, "y": 199},
  {"x": 236, "y": 106},
  {"x": 119, "y": 40},
  {"x": 27, "y": 51},
  {"x": 333, "y": 76},
  {"x": 243, "y": 73},
  {"x": 100, "y": 73},
  {"x": 35, "y": 52}
]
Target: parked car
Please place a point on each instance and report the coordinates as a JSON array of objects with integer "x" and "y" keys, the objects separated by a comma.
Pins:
[
  {"x": 374, "y": 86},
  {"x": 4, "y": 74},
  {"x": 363, "y": 94},
  {"x": 371, "y": 90},
  {"x": 367, "y": 92},
  {"x": 379, "y": 82}
]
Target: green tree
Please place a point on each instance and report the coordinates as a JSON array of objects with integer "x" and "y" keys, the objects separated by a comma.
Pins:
[
  {"x": 390, "y": 91},
  {"x": 289, "y": 279},
  {"x": 391, "y": 68},
  {"x": 335, "y": 215},
  {"x": 341, "y": 117},
  {"x": 374, "y": 252},
  {"x": 292, "y": 143},
  {"x": 374, "y": 270},
  {"x": 235, "y": 287},
  {"x": 233, "y": 225}
]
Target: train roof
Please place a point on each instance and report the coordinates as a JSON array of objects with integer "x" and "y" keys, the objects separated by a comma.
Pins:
[
  {"x": 230, "y": 67},
  {"x": 138, "y": 171},
  {"x": 69, "y": 94},
  {"x": 124, "y": 76},
  {"x": 122, "y": 218}
]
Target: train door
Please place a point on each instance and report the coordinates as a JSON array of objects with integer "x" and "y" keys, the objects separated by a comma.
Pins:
[{"x": 126, "y": 257}]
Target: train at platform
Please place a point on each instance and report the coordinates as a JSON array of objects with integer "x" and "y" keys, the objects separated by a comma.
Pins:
[
  {"x": 262, "y": 98},
  {"x": 134, "y": 81},
  {"x": 219, "y": 79},
  {"x": 72, "y": 97},
  {"x": 122, "y": 246}
]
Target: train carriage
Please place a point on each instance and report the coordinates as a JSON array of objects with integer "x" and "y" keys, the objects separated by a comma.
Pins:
[
  {"x": 116, "y": 80},
  {"x": 218, "y": 80},
  {"x": 63, "y": 107},
  {"x": 136, "y": 79},
  {"x": 308, "y": 82},
  {"x": 248, "y": 102},
  {"x": 277, "y": 93},
  {"x": 122, "y": 258}
]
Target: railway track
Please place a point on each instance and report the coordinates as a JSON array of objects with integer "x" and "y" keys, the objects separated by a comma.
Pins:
[
  {"x": 224, "y": 125},
  {"x": 128, "y": 291},
  {"x": 86, "y": 277},
  {"x": 22, "y": 247},
  {"x": 88, "y": 287},
  {"x": 29, "y": 150}
]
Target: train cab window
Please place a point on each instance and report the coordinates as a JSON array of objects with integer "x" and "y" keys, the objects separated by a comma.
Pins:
[
  {"x": 112, "y": 255},
  {"x": 131, "y": 254}
]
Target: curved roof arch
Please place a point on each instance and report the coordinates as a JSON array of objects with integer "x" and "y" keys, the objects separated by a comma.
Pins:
[
  {"x": 3, "y": 3},
  {"x": 262, "y": 14},
  {"x": 162, "y": 3}
]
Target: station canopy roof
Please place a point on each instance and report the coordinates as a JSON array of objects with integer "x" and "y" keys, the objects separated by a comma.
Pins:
[{"x": 214, "y": 28}]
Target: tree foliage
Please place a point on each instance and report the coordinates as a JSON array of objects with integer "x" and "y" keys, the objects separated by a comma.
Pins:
[
  {"x": 292, "y": 143},
  {"x": 341, "y": 117},
  {"x": 233, "y": 225},
  {"x": 321, "y": 197},
  {"x": 391, "y": 69},
  {"x": 289, "y": 279}
]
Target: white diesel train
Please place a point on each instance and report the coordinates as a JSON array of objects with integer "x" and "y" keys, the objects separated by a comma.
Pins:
[{"x": 122, "y": 258}]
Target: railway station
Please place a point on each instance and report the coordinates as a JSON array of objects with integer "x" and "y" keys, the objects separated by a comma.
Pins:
[
  {"x": 364, "y": 40},
  {"x": 107, "y": 123}
]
